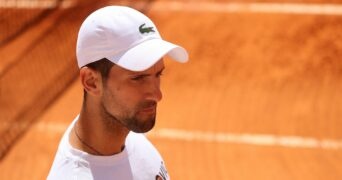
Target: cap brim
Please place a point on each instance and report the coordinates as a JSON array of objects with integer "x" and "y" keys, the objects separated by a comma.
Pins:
[{"x": 147, "y": 53}]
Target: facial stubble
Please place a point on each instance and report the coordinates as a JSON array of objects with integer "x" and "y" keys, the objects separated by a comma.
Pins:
[{"x": 129, "y": 118}]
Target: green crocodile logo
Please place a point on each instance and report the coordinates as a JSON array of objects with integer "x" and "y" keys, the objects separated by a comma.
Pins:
[{"x": 143, "y": 29}]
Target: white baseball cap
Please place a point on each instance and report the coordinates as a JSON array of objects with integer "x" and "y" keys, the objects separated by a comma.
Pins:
[{"x": 124, "y": 36}]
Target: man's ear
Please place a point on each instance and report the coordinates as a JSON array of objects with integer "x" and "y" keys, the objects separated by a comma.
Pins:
[{"x": 91, "y": 81}]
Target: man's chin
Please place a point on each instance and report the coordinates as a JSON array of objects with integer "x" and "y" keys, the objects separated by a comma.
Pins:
[{"x": 143, "y": 126}]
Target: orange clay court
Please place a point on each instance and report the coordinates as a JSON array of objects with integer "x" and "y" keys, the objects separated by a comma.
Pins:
[{"x": 260, "y": 98}]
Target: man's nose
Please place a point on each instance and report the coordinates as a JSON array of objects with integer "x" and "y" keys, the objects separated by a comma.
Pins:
[{"x": 155, "y": 91}]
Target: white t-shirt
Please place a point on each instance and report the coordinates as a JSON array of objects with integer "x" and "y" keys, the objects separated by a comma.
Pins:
[{"x": 138, "y": 161}]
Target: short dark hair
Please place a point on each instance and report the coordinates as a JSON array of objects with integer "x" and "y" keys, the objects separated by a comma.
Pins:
[{"x": 103, "y": 66}]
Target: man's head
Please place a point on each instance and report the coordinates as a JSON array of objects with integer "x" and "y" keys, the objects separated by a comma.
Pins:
[{"x": 119, "y": 52}]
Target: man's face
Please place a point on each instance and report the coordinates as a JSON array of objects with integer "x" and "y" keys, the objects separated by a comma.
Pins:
[{"x": 131, "y": 98}]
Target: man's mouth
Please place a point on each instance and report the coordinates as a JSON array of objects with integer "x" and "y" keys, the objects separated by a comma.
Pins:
[
  {"x": 148, "y": 107},
  {"x": 151, "y": 109}
]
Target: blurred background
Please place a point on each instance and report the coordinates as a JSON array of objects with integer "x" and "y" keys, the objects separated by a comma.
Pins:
[{"x": 259, "y": 99}]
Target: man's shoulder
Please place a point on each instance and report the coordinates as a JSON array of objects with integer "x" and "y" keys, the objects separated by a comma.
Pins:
[
  {"x": 143, "y": 155},
  {"x": 138, "y": 143},
  {"x": 133, "y": 136},
  {"x": 136, "y": 139},
  {"x": 66, "y": 167}
]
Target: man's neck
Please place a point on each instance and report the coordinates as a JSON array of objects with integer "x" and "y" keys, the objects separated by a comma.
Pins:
[{"x": 92, "y": 135}]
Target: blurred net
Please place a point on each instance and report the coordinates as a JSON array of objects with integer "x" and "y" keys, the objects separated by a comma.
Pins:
[
  {"x": 36, "y": 68},
  {"x": 39, "y": 72}
]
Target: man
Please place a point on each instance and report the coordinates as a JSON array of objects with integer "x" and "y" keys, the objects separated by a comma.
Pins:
[{"x": 120, "y": 56}]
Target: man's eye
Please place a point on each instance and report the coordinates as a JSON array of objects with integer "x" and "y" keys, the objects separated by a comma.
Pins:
[
  {"x": 159, "y": 74},
  {"x": 137, "y": 78}
]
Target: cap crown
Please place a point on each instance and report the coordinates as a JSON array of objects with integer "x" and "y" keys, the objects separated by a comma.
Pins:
[{"x": 110, "y": 31}]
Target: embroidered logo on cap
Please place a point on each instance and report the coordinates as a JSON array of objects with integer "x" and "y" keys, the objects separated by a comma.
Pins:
[{"x": 143, "y": 29}]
